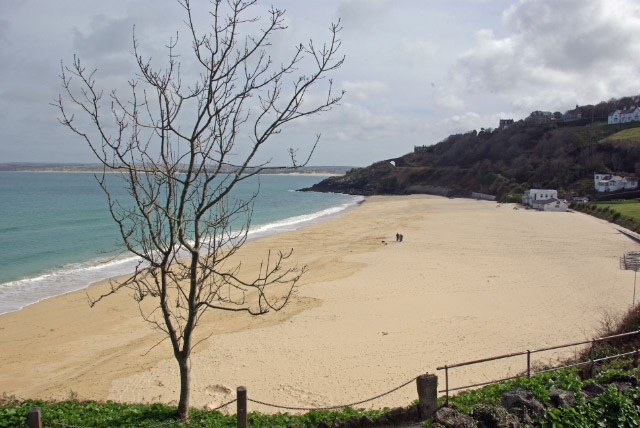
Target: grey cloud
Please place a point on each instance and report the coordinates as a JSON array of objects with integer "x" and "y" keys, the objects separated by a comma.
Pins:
[
  {"x": 559, "y": 51},
  {"x": 107, "y": 36},
  {"x": 359, "y": 15},
  {"x": 574, "y": 34},
  {"x": 4, "y": 30}
]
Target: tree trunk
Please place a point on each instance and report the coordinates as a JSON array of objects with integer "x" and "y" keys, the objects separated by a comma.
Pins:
[{"x": 185, "y": 381}]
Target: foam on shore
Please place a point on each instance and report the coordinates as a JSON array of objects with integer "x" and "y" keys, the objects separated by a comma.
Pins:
[{"x": 15, "y": 295}]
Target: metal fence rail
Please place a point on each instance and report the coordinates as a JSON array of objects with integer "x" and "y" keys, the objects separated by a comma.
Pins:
[{"x": 592, "y": 360}]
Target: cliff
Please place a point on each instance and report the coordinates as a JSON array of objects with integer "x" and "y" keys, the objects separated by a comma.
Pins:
[{"x": 502, "y": 162}]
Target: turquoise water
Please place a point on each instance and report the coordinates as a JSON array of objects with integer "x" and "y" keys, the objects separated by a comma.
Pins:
[{"x": 56, "y": 234}]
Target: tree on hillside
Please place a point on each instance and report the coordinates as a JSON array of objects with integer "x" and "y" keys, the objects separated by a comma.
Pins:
[{"x": 177, "y": 148}]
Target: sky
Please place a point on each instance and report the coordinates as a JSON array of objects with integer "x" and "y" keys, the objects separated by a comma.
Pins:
[{"x": 415, "y": 71}]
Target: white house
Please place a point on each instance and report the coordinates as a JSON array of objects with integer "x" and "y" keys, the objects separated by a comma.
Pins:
[
  {"x": 538, "y": 194},
  {"x": 631, "y": 114},
  {"x": 544, "y": 200},
  {"x": 613, "y": 183},
  {"x": 552, "y": 204}
]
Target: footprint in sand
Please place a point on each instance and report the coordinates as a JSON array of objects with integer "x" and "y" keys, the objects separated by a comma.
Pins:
[{"x": 217, "y": 390}]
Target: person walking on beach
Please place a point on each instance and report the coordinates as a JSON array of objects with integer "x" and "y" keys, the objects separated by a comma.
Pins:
[{"x": 397, "y": 237}]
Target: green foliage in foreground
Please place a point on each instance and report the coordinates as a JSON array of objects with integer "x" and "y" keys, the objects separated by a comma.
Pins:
[
  {"x": 539, "y": 385},
  {"x": 110, "y": 414},
  {"x": 611, "y": 409}
]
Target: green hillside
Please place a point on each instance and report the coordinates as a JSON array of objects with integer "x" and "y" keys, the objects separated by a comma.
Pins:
[
  {"x": 632, "y": 134},
  {"x": 503, "y": 162}
]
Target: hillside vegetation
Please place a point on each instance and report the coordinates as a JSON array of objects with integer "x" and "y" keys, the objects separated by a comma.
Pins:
[{"x": 503, "y": 162}]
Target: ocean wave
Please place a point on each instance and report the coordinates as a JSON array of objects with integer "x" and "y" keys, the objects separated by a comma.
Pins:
[
  {"x": 292, "y": 223},
  {"x": 15, "y": 295}
]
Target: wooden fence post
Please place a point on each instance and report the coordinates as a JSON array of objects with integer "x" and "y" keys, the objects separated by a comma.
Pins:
[
  {"x": 34, "y": 418},
  {"x": 242, "y": 407},
  {"x": 592, "y": 356},
  {"x": 427, "y": 395}
]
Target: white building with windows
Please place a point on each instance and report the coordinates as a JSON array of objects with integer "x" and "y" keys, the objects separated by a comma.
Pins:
[
  {"x": 544, "y": 200},
  {"x": 614, "y": 183},
  {"x": 631, "y": 114}
]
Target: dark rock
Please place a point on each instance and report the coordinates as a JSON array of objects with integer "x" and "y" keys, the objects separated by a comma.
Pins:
[
  {"x": 352, "y": 422},
  {"x": 622, "y": 386},
  {"x": 396, "y": 415},
  {"x": 413, "y": 414},
  {"x": 518, "y": 397},
  {"x": 522, "y": 414},
  {"x": 452, "y": 419},
  {"x": 382, "y": 420},
  {"x": 493, "y": 417},
  {"x": 322, "y": 425},
  {"x": 625, "y": 378},
  {"x": 365, "y": 421},
  {"x": 337, "y": 423},
  {"x": 560, "y": 397},
  {"x": 592, "y": 389}
]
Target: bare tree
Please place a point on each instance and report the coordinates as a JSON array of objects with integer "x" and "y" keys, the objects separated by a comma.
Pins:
[{"x": 174, "y": 146}]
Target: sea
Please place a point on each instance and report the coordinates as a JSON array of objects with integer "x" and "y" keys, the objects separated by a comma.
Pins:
[{"x": 57, "y": 235}]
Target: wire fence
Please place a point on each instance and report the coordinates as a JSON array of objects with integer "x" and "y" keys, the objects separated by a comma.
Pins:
[
  {"x": 35, "y": 420},
  {"x": 339, "y": 406},
  {"x": 528, "y": 373}
]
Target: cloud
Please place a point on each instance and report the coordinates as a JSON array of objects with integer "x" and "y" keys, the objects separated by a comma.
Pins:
[
  {"x": 447, "y": 99},
  {"x": 556, "y": 52},
  {"x": 362, "y": 90},
  {"x": 104, "y": 36},
  {"x": 358, "y": 15}
]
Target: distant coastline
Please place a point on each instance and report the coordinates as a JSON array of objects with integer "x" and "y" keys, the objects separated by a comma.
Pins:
[{"x": 97, "y": 168}]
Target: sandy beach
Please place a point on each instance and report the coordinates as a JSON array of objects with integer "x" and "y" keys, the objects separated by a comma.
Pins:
[{"x": 472, "y": 279}]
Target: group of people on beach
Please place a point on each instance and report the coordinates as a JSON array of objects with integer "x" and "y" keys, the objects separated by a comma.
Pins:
[{"x": 399, "y": 237}]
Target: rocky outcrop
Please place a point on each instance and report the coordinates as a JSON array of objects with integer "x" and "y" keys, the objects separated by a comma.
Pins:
[
  {"x": 592, "y": 389},
  {"x": 494, "y": 417},
  {"x": 449, "y": 418},
  {"x": 520, "y": 398},
  {"x": 518, "y": 407},
  {"x": 560, "y": 397}
]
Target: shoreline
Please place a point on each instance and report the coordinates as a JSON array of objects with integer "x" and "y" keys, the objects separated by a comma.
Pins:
[
  {"x": 470, "y": 280},
  {"x": 128, "y": 261}
]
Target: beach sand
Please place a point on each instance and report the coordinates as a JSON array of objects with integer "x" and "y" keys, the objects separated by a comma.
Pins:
[{"x": 472, "y": 279}]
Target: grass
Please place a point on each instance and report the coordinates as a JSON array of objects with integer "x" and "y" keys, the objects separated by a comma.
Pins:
[
  {"x": 626, "y": 134},
  {"x": 629, "y": 208}
]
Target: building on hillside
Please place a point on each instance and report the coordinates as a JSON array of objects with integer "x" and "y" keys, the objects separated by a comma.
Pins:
[
  {"x": 570, "y": 115},
  {"x": 504, "y": 123},
  {"x": 614, "y": 183},
  {"x": 539, "y": 117},
  {"x": 544, "y": 200},
  {"x": 420, "y": 149},
  {"x": 631, "y": 114}
]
